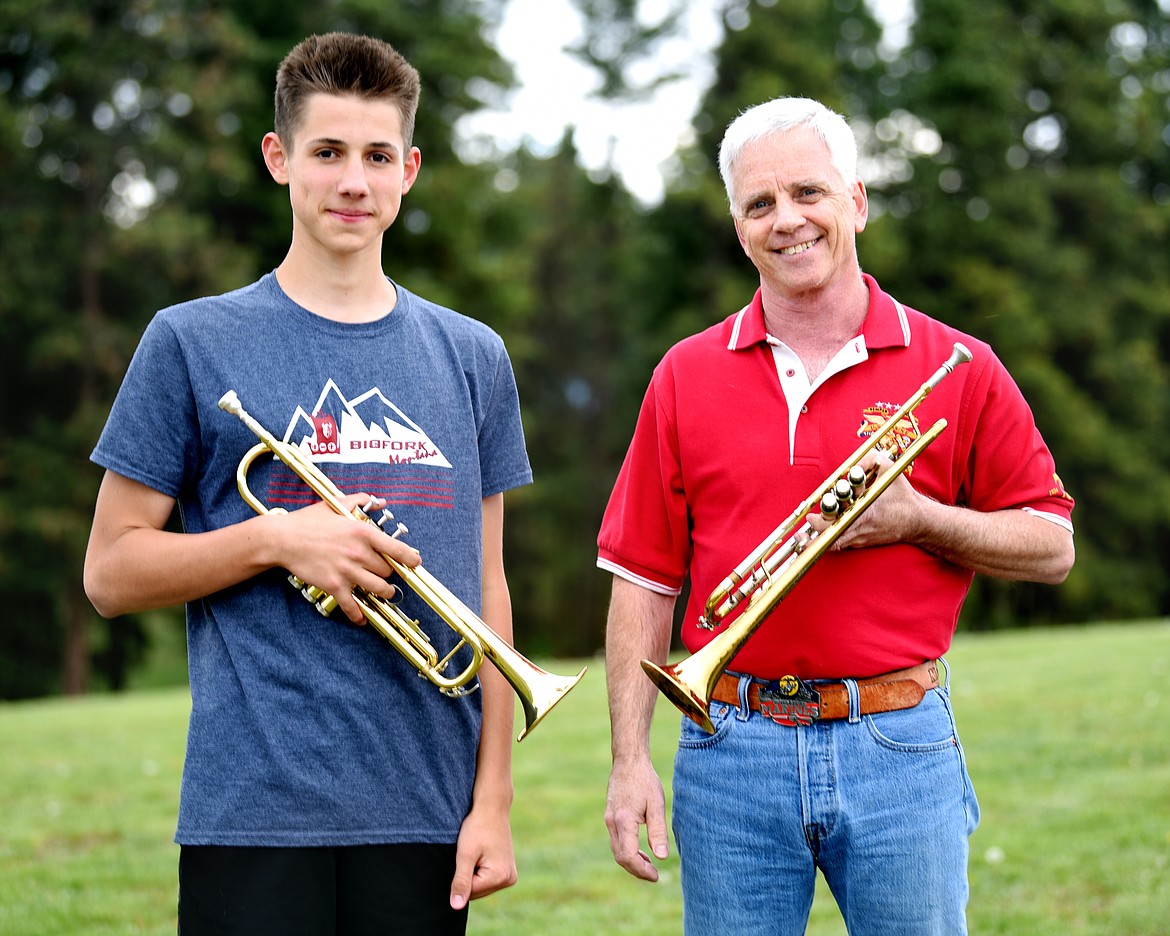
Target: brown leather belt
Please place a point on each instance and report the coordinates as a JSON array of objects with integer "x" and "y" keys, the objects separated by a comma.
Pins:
[{"x": 792, "y": 701}]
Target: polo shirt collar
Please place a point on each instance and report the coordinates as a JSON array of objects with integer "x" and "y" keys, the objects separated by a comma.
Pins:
[{"x": 886, "y": 324}]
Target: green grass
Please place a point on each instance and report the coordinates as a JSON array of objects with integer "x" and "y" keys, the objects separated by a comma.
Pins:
[{"x": 1066, "y": 733}]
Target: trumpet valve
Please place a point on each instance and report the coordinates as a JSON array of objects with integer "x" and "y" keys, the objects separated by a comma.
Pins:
[
  {"x": 858, "y": 480},
  {"x": 385, "y": 517},
  {"x": 319, "y": 598},
  {"x": 830, "y": 509}
]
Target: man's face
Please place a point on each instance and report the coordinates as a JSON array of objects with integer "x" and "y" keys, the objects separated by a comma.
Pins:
[
  {"x": 347, "y": 169},
  {"x": 796, "y": 218}
]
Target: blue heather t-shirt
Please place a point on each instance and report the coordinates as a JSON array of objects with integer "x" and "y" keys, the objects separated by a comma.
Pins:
[{"x": 307, "y": 730}]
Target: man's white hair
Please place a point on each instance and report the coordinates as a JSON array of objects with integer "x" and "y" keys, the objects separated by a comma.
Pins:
[{"x": 778, "y": 116}]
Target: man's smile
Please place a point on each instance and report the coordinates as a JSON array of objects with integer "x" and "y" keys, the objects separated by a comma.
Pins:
[{"x": 799, "y": 248}]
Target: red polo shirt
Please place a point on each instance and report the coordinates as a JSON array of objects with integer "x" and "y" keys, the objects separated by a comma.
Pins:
[{"x": 730, "y": 439}]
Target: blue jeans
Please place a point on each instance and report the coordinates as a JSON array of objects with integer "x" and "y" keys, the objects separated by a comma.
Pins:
[{"x": 881, "y": 804}]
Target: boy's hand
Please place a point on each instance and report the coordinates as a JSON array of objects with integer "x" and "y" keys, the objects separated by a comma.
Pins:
[{"x": 337, "y": 554}]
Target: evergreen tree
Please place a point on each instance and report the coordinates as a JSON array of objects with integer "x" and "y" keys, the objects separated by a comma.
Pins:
[
  {"x": 1016, "y": 159},
  {"x": 131, "y": 131},
  {"x": 1038, "y": 223}
]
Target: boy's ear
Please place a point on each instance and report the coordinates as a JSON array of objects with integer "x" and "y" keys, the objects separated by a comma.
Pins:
[
  {"x": 275, "y": 157},
  {"x": 411, "y": 165}
]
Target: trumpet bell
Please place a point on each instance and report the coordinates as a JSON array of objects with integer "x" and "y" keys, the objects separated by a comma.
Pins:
[
  {"x": 687, "y": 700},
  {"x": 540, "y": 692}
]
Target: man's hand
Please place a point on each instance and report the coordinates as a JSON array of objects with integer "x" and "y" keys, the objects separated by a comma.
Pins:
[
  {"x": 635, "y": 799},
  {"x": 890, "y": 518},
  {"x": 1009, "y": 544}
]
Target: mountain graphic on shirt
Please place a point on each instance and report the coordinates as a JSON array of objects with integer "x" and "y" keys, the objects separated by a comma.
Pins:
[{"x": 369, "y": 428}]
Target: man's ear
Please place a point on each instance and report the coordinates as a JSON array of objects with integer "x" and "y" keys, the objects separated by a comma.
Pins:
[
  {"x": 275, "y": 157},
  {"x": 861, "y": 203},
  {"x": 739, "y": 234}
]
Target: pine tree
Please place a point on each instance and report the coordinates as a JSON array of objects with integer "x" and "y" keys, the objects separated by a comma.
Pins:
[{"x": 1039, "y": 223}]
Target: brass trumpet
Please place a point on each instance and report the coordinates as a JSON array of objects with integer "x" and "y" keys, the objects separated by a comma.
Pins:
[
  {"x": 537, "y": 689},
  {"x": 772, "y": 569}
]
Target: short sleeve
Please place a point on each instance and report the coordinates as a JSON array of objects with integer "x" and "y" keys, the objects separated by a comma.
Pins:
[
  {"x": 645, "y": 534},
  {"x": 151, "y": 433},
  {"x": 1009, "y": 465}
]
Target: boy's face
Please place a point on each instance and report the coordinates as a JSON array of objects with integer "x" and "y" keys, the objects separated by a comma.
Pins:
[{"x": 347, "y": 169}]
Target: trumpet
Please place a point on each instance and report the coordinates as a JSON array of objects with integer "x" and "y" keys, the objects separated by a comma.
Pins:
[
  {"x": 772, "y": 569},
  {"x": 537, "y": 689}
]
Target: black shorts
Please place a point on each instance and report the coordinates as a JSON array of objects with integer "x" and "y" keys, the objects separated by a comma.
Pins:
[{"x": 347, "y": 891}]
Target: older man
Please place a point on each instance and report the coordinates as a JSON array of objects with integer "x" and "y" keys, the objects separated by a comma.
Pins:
[{"x": 739, "y": 424}]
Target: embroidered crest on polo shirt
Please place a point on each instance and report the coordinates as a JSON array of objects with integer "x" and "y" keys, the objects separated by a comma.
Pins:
[{"x": 896, "y": 442}]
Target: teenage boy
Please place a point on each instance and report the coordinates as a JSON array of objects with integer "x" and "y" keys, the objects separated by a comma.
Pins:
[{"x": 326, "y": 787}]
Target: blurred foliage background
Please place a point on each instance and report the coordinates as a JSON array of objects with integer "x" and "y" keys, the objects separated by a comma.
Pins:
[{"x": 1017, "y": 154}]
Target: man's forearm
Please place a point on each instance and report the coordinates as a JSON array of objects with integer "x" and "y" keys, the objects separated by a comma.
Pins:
[
  {"x": 1008, "y": 544},
  {"x": 639, "y": 626}
]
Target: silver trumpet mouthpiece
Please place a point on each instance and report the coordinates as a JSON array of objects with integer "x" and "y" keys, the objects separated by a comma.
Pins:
[{"x": 230, "y": 403}]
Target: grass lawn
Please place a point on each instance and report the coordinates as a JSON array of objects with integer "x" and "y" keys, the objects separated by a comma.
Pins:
[{"x": 1065, "y": 731}]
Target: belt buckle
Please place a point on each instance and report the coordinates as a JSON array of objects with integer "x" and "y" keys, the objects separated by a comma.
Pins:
[{"x": 790, "y": 701}]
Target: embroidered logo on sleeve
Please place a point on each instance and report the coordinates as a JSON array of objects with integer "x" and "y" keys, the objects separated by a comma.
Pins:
[{"x": 1057, "y": 490}]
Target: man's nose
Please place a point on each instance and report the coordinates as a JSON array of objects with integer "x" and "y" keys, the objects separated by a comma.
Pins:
[{"x": 788, "y": 216}]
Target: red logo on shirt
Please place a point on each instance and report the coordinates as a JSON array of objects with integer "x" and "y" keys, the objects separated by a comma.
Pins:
[
  {"x": 326, "y": 442},
  {"x": 905, "y": 431}
]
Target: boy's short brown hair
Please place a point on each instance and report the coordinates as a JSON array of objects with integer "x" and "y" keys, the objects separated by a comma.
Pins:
[{"x": 343, "y": 63}]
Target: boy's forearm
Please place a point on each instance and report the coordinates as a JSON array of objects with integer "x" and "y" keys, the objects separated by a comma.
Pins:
[
  {"x": 493, "y": 778},
  {"x": 493, "y": 770}
]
